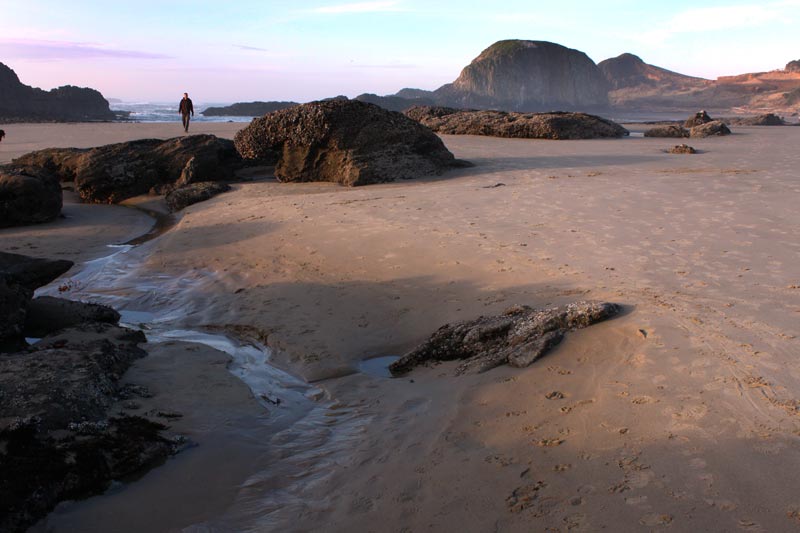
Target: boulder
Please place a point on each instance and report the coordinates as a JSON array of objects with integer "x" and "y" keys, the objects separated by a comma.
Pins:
[
  {"x": 709, "y": 129},
  {"x": 194, "y": 193},
  {"x": 31, "y": 272},
  {"x": 682, "y": 149},
  {"x": 558, "y": 125},
  {"x": 701, "y": 117},
  {"x": 343, "y": 141},
  {"x": 28, "y": 196},
  {"x": 246, "y": 109},
  {"x": 673, "y": 130},
  {"x": 47, "y": 314},
  {"x": 518, "y": 337},
  {"x": 768, "y": 119},
  {"x": 115, "y": 172}
]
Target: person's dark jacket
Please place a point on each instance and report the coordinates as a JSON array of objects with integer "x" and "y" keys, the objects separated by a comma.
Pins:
[{"x": 186, "y": 107}]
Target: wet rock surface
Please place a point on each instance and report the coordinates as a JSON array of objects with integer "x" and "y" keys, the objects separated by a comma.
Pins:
[
  {"x": 699, "y": 118},
  {"x": 115, "y": 172},
  {"x": 344, "y": 141},
  {"x": 558, "y": 125},
  {"x": 518, "y": 337},
  {"x": 669, "y": 131},
  {"x": 56, "y": 439},
  {"x": 710, "y": 129},
  {"x": 28, "y": 196},
  {"x": 682, "y": 149},
  {"x": 194, "y": 193}
]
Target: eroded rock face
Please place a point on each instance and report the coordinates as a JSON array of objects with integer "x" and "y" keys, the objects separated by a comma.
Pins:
[
  {"x": 670, "y": 131},
  {"x": 710, "y": 129},
  {"x": 194, "y": 193},
  {"x": 518, "y": 337},
  {"x": 28, "y": 196},
  {"x": 115, "y": 172},
  {"x": 560, "y": 125},
  {"x": 343, "y": 141}
]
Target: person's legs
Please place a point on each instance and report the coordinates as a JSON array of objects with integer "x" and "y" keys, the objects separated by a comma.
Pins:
[{"x": 186, "y": 122}]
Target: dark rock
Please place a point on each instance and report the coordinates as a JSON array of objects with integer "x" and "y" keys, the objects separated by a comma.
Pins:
[
  {"x": 768, "y": 119},
  {"x": 558, "y": 125},
  {"x": 518, "y": 337},
  {"x": 343, "y": 141},
  {"x": 672, "y": 130},
  {"x": 699, "y": 118},
  {"x": 393, "y": 103},
  {"x": 31, "y": 272},
  {"x": 47, "y": 314},
  {"x": 21, "y": 103},
  {"x": 709, "y": 129},
  {"x": 115, "y": 172},
  {"x": 28, "y": 196},
  {"x": 246, "y": 109},
  {"x": 682, "y": 149},
  {"x": 793, "y": 66},
  {"x": 520, "y": 75},
  {"x": 14, "y": 299},
  {"x": 193, "y": 193}
]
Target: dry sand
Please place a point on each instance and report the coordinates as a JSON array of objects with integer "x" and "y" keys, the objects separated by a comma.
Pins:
[{"x": 682, "y": 414}]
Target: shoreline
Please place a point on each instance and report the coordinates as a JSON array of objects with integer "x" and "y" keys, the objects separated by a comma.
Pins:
[{"x": 680, "y": 413}]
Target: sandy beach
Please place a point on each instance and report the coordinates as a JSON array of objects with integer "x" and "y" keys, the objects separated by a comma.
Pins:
[{"x": 681, "y": 414}]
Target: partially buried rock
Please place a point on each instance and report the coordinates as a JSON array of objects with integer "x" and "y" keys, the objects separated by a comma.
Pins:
[
  {"x": 344, "y": 141},
  {"x": 28, "y": 196},
  {"x": 768, "y": 119},
  {"x": 682, "y": 149},
  {"x": 115, "y": 172},
  {"x": 672, "y": 130},
  {"x": 194, "y": 193},
  {"x": 518, "y": 337},
  {"x": 710, "y": 129},
  {"x": 556, "y": 125},
  {"x": 47, "y": 314}
]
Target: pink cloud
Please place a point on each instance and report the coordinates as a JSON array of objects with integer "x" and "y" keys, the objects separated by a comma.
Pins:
[{"x": 43, "y": 50}]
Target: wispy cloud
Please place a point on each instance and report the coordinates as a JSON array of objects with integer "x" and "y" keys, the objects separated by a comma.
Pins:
[
  {"x": 359, "y": 7},
  {"x": 721, "y": 18},
  {"x": 251, "y": 48},
  {"x": 44, "y": 50}
]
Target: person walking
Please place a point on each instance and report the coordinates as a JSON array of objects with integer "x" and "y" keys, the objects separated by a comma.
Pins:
[
  {"x": 185, "y": 108},
  {"x": 2, "y": 134}
]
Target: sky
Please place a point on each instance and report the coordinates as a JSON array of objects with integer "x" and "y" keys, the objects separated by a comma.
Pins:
[{"x": 245, "y": 50}]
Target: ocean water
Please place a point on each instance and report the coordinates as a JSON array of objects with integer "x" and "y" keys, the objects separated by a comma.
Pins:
[{"x": 168, "y": 112}]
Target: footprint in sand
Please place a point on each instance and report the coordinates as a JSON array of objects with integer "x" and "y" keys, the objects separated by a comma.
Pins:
[{"x": 655, "y": 519}]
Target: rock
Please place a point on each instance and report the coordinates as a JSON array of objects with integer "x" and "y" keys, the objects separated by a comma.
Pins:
[
  {"x": 246, "y": 109},
  {"x": 193, "y": 193},
  {"x": 47, "y": 314},
  {"x": 521, "y": 75},
  {"x": 28, "y": 196},
  {"x": 709, "y": 129},
  {"x": 768, "y": 119},
  {"x": 793, "y": 66},
  {"x": 667, "y": 131},
  {"x": 628, "y": 71},
  {"x": 682, "y": 149},
  {"x": 21, "y": 103},
  {"x": 343, "y": 141},
  {"x": 20, "y": 275},
  {"x": 699, "y": 118},
  {"x": 518, "y": 337},
  {"x": 115, "y": 172},
  {"x": 394, "y": 102},
  {"x": 56, "y": 441},
  {"x": 559, "y": 125}
]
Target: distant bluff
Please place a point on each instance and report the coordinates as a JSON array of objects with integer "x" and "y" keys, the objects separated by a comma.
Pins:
[
  {"x": 522, "y": 75},
  {"x": 20, "y": 102},
  {"x": 628, "y": 70}
]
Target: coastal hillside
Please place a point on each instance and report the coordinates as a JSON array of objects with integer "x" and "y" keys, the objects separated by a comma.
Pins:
[
  {"x": 20, "y": 102},
  {"x": 521, "y": 75}
]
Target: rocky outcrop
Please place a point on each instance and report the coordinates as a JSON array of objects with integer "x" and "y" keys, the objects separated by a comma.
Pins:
[
  {"x": 246, "y": 109},
  {"x": 518, "y": 337},
  {"x": 672, "y": 130},
  {"x": 194, "y": 193},
  {"x": 558, "y": 125},
  {"x": 682, "y": 149},
  {"x": 520, "y": 75},
  {"x": 47, "y": 314},
  {"x": 710, "y": 129},
  {"x": 21, "y": 103},
  {"x": 28, "y": 196},
  {"x": 701, "y": 117},
  {"x": 629, "y": 71},
  {"x": 394, "y": 102},
  {"x": 768, "y": 119},
  {"x": 793, "y": 66},
  {"x": 115, "y": 172},
  {"x": 343, "y": 141}
]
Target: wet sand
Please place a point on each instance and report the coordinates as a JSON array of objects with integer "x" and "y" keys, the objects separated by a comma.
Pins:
[{"x": 681, "y": 414}]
